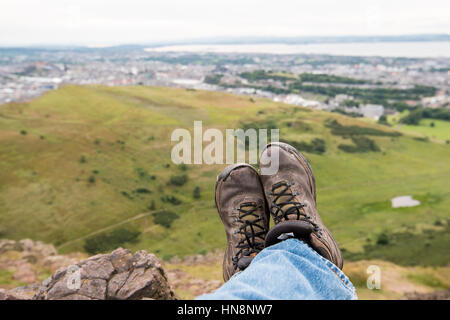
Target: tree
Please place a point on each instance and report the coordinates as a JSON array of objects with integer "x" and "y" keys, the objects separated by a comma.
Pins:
[
  {"x": 413, "y": 118},
  {"x": 383, "y": 120},
  {"x": 196, "y": 194}
]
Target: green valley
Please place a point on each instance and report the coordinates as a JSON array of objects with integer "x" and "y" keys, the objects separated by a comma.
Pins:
[{"x": 85, "y": 165}]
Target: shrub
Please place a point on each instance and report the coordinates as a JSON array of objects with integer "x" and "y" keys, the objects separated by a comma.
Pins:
[
  {"x": 315, "y": 146},
  {"x": 165, "y": 218},
  {"x": 152, "y": 206},
  {"x": 341, "y": 130},
  {"x": 83, "y": 159},
  {"x": 362, "y": 144},
  {"x": 423, "y": 139},
  {"x": 383, "y": 120},
  {"x": 213, "y": 79},
  {"x": 350, "y": 114},
  {"x": 144, "y": 175},
  {"x": 196, "y": 193},
  {"x": 109, "y": 241},
  {"x": 91, "y": 179},
  {"x": 23, "y": 132},
  {"x": 126, "y": 195},
  {"x": 2, "y": 232},
  {"x": 178, "y": 180},
  {"x": 438, "y": 113},
  {"x": 142, "y": 190},
  {"x": 413, "y": 118},
  {"x": 268, "y": 124},
  {"x": 171, "y": 199},
  {"x": 382, "y": 239}
]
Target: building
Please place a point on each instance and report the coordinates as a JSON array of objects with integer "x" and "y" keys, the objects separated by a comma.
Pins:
[{"x": 374, "y": 111}]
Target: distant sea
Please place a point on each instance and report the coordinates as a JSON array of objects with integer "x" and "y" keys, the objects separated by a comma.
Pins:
[{"x": 432, "y": 49}]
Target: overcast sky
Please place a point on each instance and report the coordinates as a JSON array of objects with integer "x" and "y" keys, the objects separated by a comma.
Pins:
[{"x": 106, "y": 22}]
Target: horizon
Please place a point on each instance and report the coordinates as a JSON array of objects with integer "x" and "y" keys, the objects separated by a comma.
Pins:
[{"x": 252, "y": 40}]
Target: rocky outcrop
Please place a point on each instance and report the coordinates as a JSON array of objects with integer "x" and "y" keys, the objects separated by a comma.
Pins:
[
  {"x": 34, "y": 249},
  {"x": 20, "y": 293},
  {"x": 120, "y": 275},
  {"x": 435, "y": 295},
  {"x": 117, "y": 276},
  {"x": 27, "y": 260}
]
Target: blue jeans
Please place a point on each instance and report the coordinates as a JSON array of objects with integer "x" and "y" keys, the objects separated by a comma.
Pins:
[{"x": 288, "y": 270}]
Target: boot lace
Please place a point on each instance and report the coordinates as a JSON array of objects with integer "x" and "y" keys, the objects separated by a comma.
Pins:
[
  {"x": 285, "y": 205},
  {"x": 250, "y": 229}
]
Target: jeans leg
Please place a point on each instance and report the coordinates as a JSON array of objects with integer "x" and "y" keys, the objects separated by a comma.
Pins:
[{"x": 287, "y": 270}]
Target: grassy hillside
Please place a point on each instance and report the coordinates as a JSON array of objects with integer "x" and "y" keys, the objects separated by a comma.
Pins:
[
  {"x": 432, "y": 129},
  {"x": 93, "y": 164}
]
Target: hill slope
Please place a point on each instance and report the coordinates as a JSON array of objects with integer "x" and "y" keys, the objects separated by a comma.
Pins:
[{"x": 86, "y": 163}]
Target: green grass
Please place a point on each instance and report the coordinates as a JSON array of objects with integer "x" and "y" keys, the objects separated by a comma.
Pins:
[
  {"x": 440, "y": 131},
  {"x": 428, "y": 247},
  {"x": 7, "y": 280},
  {"x": 123, "y": 135},
  {"x": 427, "y": 280}
]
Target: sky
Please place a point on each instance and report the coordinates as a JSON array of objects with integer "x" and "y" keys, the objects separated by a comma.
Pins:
[{"x": 112, "y": 22}]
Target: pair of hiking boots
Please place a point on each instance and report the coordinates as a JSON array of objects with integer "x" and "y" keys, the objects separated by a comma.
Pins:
[{"x": 244, "y": 200}]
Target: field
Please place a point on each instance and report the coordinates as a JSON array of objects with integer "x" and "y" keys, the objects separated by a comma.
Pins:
[
  {"x": 80, "y": 163},
  {"x": 433, "y": 129},
  {"x": 437, "y": 130}
]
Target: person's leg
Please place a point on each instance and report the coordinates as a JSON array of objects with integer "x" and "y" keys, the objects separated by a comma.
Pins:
[{"x": 287, "y": 270}]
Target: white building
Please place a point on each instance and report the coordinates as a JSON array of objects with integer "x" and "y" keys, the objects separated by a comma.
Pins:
[{"x": 374, "y": 111}]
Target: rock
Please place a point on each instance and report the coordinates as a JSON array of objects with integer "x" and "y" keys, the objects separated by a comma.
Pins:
[
  {"x": 2, "y": 294},
  {"x": 119, "y": 275},
  {"x": 45, "y": 249},
  {"x": 20, "y": 293},
  {"x": 121, "y": 260},
  {"x": 26, "y": 245},
  {"x": 116, "y": 283},
  {"x": 98, "y": 268},
  {"x": 9, "y": 245},
  {"x": 25, "y": 273},
  {"x": 56, "y": 290},
  {"x": 94, "y": 289},
  {"x": 435, "y": 295},
  {"x": 58, "y": 261}
]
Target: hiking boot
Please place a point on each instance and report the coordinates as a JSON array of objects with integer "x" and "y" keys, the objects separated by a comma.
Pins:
[
  {"x": 291, "y": 199},
  {"x": 241, "y": 205}
]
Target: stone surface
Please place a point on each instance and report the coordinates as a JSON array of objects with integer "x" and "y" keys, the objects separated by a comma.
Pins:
[
  {"x": 8, "y": 245},
  {"x": 20, "y": 293},
  {"x": 436, "y": 295},
  {"x": 24, "y": 273},
  {"x": 118, "y": 276}
]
